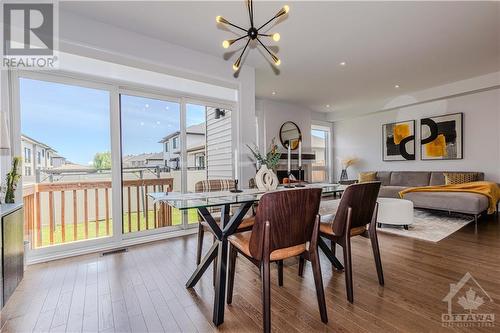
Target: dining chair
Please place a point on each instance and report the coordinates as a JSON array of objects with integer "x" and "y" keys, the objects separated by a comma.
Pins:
[
  {"x": 286, "y": 225},
  {"x": 214, "y": 185},
  {"x": 356, "y": 216}
]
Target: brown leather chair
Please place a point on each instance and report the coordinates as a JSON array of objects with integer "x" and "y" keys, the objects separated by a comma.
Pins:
[
  {"x": 214, "y": 185},
  {"x": 355, "y": 216},
  {"x": 286, "y": 225}
]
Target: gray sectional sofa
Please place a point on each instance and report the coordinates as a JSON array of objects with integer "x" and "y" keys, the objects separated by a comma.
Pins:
[{"x": 467, "y": 203}]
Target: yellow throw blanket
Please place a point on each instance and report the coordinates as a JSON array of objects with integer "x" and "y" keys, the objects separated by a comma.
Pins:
[{"x": 489, "y": 189}]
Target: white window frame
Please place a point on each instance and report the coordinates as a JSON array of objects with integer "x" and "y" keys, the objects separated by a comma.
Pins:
[{"x": 115, "y": 88}]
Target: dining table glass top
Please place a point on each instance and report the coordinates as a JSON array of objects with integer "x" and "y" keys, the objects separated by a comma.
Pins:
[{"x": 192, "y": 200}]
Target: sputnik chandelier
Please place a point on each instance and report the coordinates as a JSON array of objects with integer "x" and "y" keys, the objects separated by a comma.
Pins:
[{"x": 252, "y": 34}]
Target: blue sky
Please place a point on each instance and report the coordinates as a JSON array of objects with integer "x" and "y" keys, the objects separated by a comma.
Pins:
[{"x": 76, "y": 122}]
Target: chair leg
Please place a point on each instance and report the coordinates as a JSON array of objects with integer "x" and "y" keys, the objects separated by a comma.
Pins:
[
  {"x": 280, "y": 272},
  {"x": 215, "y": 264},
  {"x": 266, "y": 296},
  {"x": 333, "y": 248},
  {"x": 376, "y": 255},
  {"x": 201, "y": 233},
  {"x": 301, "y": 265},
  {"x": 233, "y": 253},
  {"x": 348, "y": 269},
  {"x": 318, "y": 281}
]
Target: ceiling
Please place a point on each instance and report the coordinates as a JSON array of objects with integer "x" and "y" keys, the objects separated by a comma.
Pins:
[{"x": 415, "y": 45}]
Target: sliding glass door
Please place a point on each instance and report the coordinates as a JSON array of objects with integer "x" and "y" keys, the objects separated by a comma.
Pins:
[{"x": 90, "y": 149}]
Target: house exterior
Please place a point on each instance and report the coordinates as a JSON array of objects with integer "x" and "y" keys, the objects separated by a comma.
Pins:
[
  {"x": 195, "y": 147},
  {"x": 143, "y": 160},
  {"x": 36, "y": 156}
]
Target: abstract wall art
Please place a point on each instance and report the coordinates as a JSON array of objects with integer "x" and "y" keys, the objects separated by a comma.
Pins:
[
  {"x": 399, "y": 141},
  {"x": 442, "y": 137}
]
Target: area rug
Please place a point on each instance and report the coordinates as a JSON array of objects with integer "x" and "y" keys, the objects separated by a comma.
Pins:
[{"x": 430, "y": 226}]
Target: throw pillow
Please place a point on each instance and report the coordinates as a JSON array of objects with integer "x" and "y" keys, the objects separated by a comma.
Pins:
[
  {"x": 451, "y": 178},
  {"x": 364, "y": 177}
]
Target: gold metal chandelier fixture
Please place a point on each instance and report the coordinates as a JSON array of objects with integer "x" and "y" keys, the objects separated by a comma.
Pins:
[{"x": 253, "y": 33}]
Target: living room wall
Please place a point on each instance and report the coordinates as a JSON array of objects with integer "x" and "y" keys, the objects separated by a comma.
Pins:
[{"x": 362, "y": 136}]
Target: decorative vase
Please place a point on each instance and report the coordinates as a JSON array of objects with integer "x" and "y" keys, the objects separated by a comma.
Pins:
[
  {"x": 343, "y": 175},
  {"x": 265, "y": 179}
]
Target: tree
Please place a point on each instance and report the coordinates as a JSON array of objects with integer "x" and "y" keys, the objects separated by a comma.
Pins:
[{"x": 102, "y": 161}]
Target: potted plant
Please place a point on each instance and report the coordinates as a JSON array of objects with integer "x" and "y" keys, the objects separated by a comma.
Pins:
[
  {"x": 12, "y": 178},
  {"x": 345, "y": 163},
  {"x": 266, "y": 179}
]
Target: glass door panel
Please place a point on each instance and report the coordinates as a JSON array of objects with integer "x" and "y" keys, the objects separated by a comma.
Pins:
[
  {"x": 208, "y": 148},
  {"x": 66, "y": 162},
  {"x": 319, "y": 143},
  {"x": 151, "y": 154},
  {"x": 196, "y": 145}
]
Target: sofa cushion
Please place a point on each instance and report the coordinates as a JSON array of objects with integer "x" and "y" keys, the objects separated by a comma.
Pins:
[
  {"x": 364, "y": 177},
  {"x": 391, "y": 191},
  {"x": 461, "y": 202},
  {"x": 384, "y": 177},
  {"x": 452, "y": 178},
  {"x": 410, "y": 178},
  {"x": 437, "y": 177}
]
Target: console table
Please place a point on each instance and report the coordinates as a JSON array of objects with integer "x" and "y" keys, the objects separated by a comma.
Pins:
[{"x": 12, "y": 249}]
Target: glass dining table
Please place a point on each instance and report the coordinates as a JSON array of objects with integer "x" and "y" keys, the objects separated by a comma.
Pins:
[{"x": 230, "y": 220}]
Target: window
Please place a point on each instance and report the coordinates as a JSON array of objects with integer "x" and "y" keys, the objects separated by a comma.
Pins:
[
  {"x": 175, "y": 142},
  {"x": 166, "y": 146},
  {"x": 39, "y": 157},
  {"x": 320, "y": 143},
  {"x": 43, "y": 152},
  {"x": 27, "y": 155},
  {"x": 27, "y": 171},
  {"x": 200, "y": 161}
]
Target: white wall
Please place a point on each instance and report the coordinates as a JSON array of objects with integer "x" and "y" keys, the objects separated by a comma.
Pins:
[
  {"x": 273, "y": 114},
  {"x": 362, "y": 136},
  {"x": 93, "y": 39}
]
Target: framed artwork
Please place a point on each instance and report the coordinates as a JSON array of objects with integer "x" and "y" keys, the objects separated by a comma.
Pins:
[
  {"x": 442, "y": 137},
  {"x": 398, "y": 141}
]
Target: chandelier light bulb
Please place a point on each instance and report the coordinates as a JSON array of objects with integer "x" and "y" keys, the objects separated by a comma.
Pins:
[
  {"x": 236, "y": 65},
  {"x": 286, "y": 8},
  {"x": 220, "y": 19},
  {"x": 276, "y": 37},
  {"x": 226, "y": 44}
]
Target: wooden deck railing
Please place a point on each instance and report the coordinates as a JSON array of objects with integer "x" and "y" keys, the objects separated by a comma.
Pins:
[{"x": 44, "y": 203}]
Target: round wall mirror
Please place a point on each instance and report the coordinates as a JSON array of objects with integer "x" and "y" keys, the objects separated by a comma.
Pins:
[{"x": 290, "y": 132}]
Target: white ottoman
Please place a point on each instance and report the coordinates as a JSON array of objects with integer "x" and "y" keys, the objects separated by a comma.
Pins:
[{"x": 395, "y": 212}]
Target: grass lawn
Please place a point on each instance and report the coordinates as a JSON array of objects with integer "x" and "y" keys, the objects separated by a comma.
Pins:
[{"x": 80, "y": 227}]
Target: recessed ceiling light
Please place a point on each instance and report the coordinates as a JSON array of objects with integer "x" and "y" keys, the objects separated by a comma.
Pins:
[
  {"x": 396, "y": 86},
  {"x": 343, "y": 63},
  {"x": 328, "y": 105},
  {"x": 274, "y": 93}
]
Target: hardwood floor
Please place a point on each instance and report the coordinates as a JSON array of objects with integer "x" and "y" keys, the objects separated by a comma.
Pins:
[{"x": 143, "y": 289}]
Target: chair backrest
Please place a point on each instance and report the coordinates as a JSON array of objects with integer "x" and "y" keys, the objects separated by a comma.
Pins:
[
  {"x": 291, "y": 215},
  {"x": 214, "y": 185},
  {"x": 362, "y": 199}
]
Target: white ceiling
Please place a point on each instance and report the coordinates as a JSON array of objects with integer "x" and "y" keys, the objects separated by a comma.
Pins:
[{"x": 416, "y": 45}]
